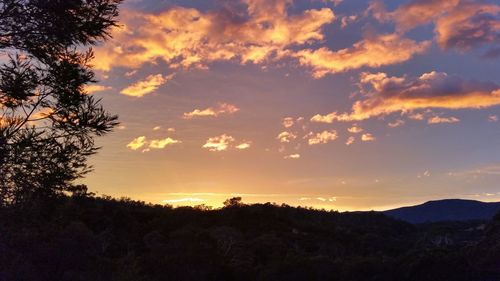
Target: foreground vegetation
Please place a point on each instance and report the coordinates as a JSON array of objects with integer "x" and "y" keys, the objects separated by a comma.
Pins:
[{"x": 89, "y": 238}]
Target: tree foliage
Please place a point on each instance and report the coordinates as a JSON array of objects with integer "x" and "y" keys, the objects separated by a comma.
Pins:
[
  {"x": 89, "y": 238},
  {"x": 48, "y": 121}
]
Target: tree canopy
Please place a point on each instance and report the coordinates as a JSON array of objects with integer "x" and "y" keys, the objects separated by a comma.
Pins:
[{"x": 48, "y": 120}]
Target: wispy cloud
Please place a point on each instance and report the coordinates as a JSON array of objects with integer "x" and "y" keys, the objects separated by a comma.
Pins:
[
  {"x": 439, "y": 119},
  {"x": 221, "y": 109},
  {"x": 396, "y": 123},
  {"x": 146, "y": 86},
  {"x": 183, "y": 200},
  {"x": 493, "y": 118},
  {"x": 292, "y": 156},
  {"x": 323, "y": 137},
  {"x": 94, "y": 88},
  {"x": 375, "y": 51}
]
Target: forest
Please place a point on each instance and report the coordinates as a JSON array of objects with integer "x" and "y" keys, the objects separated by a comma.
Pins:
[{"x": 100, "y": 238}]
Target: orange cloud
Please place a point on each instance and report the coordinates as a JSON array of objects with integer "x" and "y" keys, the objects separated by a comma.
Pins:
[
  {"x": 372, "y": 52},
  {"x": 292, "y": 156},
  {"x": 438, "y": 120},
  {"x": 416, "y": 116},
  {"x": 323, "y": 137},
  {"x": 286, "y": 137},
  {"x": 355, "y": 129},
  {"x": 244, "y": 145},
  {"x": 146, "y": 86},
  {"x": 367, "y": 137},
  {"x": 219, "y": 143},
  {"x": 430, "y": 90},
  {"x": 223, "y": 108},
  {"x": 137, "y": 143},
  {"x": 94, "y": 88},
  {"x": 187, "y": 37},
  {"x": 350, "y": 140},
  {"x": 153, "y": 144},
  {"x": 160, "y": 144}
]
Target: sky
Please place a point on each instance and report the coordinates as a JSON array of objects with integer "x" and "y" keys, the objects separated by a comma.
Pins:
[{"x": 342, "y": 105}]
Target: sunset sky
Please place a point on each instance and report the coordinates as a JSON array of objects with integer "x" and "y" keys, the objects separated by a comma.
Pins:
[{"x": 346, "y": 105}]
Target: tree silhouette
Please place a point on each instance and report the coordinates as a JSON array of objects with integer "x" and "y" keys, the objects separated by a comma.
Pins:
[
  {"x": 233, "y": 202},
  {"x": 47, "y": 119}
]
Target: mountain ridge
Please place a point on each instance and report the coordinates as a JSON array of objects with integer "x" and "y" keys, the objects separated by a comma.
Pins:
[{"x": 445, "y": 210}]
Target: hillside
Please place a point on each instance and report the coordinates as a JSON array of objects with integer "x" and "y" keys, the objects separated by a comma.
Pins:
[
  {"x": 84, "y": 238},
  {"x": 446, "y": 210}
]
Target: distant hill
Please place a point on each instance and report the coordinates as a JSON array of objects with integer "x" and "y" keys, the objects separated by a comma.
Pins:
[{"x": 446, "y": 210}]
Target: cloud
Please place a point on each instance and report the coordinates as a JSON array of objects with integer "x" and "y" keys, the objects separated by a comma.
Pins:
[
  {"x": 355, "y": 129},
  {"x": 461, "y": 24},
  {"x": 376, "y": 51},
  {"x": 94, "y": 88},
  {"x": 323, "y": 137},
  {"x": 153, "y": 144},
  {"x": 328, "y": 118},
  {"x": 438, "y": 119},
  {"x": 292, "y": 156},
  {"x": 137, "y": 143},
  {"x": 469, "y": 25},
  {"x": 412, "y": 13},
  {"x": 346, "y": 20},
  {"x": 416, "y": 116},
  {"x": 162, "y": 143},
  {"x": 258, "y": 32},
  {"x": 183, "y": 200},
  {"x": 396, "y": 123},
  {"x": 244, "y": 145},
  {"x": 221, "y": 109},
  {"x": 286, "y": 137},
  {"x": 146, "y": 86},
  {"x": 367, "y": 137},
  {"x": 130, "y": 73},
  {"x": 426, "y": 173},
  {"x": 219, "y": 143},
  {"x": 189, "y": 38},
  {"x": 156, "y": 128},
  {"x": 401, "y": 94},
  {"x": 493, "y": 118},
  {"x": 288, "y": 122},
  {"x": 350, "y": 140}
]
